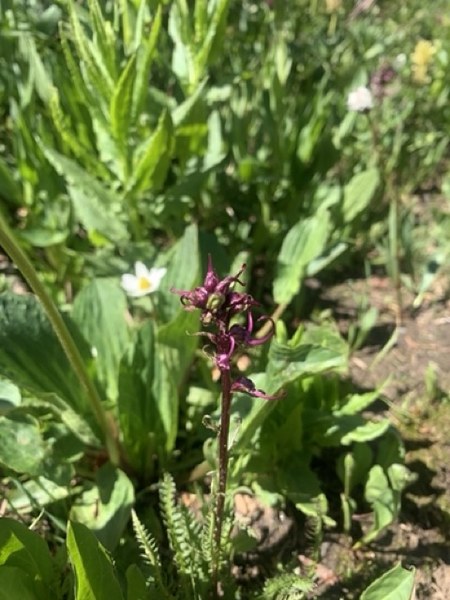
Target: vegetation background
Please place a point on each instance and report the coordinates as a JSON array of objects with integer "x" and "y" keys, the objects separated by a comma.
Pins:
[{"x": 305, "y": 138}]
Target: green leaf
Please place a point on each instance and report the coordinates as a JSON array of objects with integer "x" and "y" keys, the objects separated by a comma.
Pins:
[
  {"x": 22, "y": 448},
  {"x": 151, "y": 163},
  {"x": 106, "y": 507},
  {"x": 104, "y": 36},
  {"x": 183, "y": 271},
  {"x": 359, "y": 192},
  {"x": 148, "y": 402},
  {"x": 10, "y": 396},
  {"x": 136, "y": 584},
  {"x": 366, "y": 432},
  {"x": 177, "y": 337},
  {"x": 99, "y": 310},
  {"x": 97, "y": 208},
  {"x": 303, "y": 243},
  {"x": 303, "y": 356},
  {"x": 94, "y": 573},
  {"x": 120, "y": 112},
  {"x": 212, "y": 39},
  {"x": 27, "y": 551},
  {"x": 396, "y": 584},
  {"x": 10, "y": 189},
  {"x": 384, "y": 501},
  {"x": 145, "y": 55},
  {"x": 356, "y": 403},
  {"x": 37, "y": 492},
  {"x": 15, "y": 584},
  {"x": 24, "y": 332}
]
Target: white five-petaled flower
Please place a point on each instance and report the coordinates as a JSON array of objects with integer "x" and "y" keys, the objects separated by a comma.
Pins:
[
  {"x": 360, "y": 99},
  {"x": 144, "y": 281}
]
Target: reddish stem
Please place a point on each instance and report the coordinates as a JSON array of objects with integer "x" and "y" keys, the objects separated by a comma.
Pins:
[{"x": 223, "y": 473}]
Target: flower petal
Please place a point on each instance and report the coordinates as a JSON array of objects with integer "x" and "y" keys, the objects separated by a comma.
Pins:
[
  {"x": 129, "y": 282},
  {"x": 141, "y": 270}
]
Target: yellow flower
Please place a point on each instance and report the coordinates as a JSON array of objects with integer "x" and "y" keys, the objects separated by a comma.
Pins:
[
  {"x": 421, "y": 58},
  {"x": 333, "y": 5}
]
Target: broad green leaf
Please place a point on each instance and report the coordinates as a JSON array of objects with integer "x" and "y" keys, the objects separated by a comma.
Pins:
[
  {"x": 183, "y": 271},
  {"x": 97, "y": 208},
  {"x": 22, "y": 448},
  {"x": 10, "y": 396},
  {"x": 10, "y": 189},
  {"x": 353, "y": 467},
  {"x": 303, "y": 243},
  {"x": 366, "y": 432},
  {"x": 359, "y": 192},
  {"x": 289, "y": 361},
  {"x": 356, "y": 403},
  {"x": 136, "y": 585},
  {"x": 152, "y": 161},
  {"x": 25, "y": 550},
  {"x": 177, "y": 336},
  {"x": 99, "y": 311},
  {"x": 24, "y": 332},
  {"x": 94, "y": 573},
  {"x": 120, "y": 112},
  {"x": 148, "y": 401},
  {"x": 106, "y": 507},
  {"x": 400, "y": 476},
  {"x": 37, "y": 492},
  {"x": 385, "y": 502},
  {"x": 15, "y": 584},
  {"x": 396, "y": 584}
]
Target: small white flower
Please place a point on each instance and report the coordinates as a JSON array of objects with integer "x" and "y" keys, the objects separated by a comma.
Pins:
[
  {"x": 360, "y": 99},
  {"x": 144, "y": 281},
  {"x": 400, "y": 60}
]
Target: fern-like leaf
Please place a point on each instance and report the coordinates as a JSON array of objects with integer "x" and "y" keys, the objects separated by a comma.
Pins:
[
  {"x": 150, "y": 554},
  {"x": 286, "y": 586},
  {"x": 177, "y": 533}
]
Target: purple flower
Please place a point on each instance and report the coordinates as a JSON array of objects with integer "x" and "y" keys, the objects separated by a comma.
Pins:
[
  {"x": 219, "y": 303},
  {"x": 246, "y": 385}
]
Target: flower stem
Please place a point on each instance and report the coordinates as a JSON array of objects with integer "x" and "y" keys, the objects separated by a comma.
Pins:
[
  {"x": 18, "y": 256},
  {"x": 223, "y": 474}
]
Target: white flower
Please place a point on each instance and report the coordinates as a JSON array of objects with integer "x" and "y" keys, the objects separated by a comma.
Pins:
[
  {"x": 360, "y": 99},
  {"x": 144, "y": 281}
]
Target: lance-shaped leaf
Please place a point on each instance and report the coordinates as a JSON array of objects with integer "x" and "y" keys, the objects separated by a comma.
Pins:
[
  {"x": 304, "y": 242},
  {"x": 152, "y": 160},
  {"x": 99, "y": 311},
  {"x": 94, "y": 572}
]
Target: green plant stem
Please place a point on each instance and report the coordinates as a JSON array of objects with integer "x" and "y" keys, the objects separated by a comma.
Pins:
[
  {"x": 393, "y": 218},
  {"x": 222, "y": 478},
  {"x": 394, "y": 249},
  {"x": 18, "y": 256}
]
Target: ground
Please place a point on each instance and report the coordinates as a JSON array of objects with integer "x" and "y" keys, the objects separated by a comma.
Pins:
[{"x": 414, "y": 360}]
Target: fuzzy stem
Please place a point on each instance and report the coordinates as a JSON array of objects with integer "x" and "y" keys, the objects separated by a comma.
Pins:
[
  {"x": 223, "y": 473},
  {"x": 18, "y": 256}
]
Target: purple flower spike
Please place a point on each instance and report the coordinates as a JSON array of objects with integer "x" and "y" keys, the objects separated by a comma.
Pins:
[
  {"x": 243, "y": 335},
  {"x": 219, "y": 304},
  {"x": 211, "y": 296},
  {"x": 246, "y": 385}
]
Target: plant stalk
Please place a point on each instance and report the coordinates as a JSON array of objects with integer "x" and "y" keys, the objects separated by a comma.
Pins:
[
  {"x": 20, "y": 259},
  {"x": 222, "y": 478}
]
